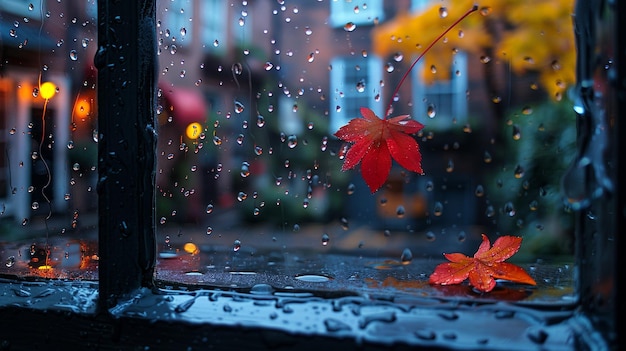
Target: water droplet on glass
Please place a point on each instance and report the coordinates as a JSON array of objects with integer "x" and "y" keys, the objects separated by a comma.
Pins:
[
  {"x": 533, "y": 205},
  {"x": 430, "y": 236},
  {"x": 35, "y": 205},
  {"x": 245, "y": 170},
  {"x": 438, "y": 209},
  {"x": 325, "y": 239},
  {"x": 443, "y": 12},
  {"x": 509, "y": 209},
  {"x": 349, "y": 27},
  {"x": 292, "y": 141},
  {"x": 430, "y": 185},
  {"x": 360, "y": 86},
  {"x": 431, "y": 111},
  {"x": 517, "y": 134},
  {"x": 311, "y": 57},
  {"x": 490, "y": 212},
  {"x": 239, "y": 107},
  {"x": 389, "y": 67},
  {"x": 85, "y": 42},
  {"x": 236, "y": 245},
  {"x": 162, "y": 220},
  {"x": 487, "y": 157},
  {"x": 450, "y": 166},
  {"x": 10, "y": 262},
  {"x": 461, "y": 236},
  {"x": 209, "y": 230},
  {"x": 480, "y": 191},
  {"x": 407, "y": 256},
  {"x": 400, "y": 211},
  {"x": 519, "y": 171}
]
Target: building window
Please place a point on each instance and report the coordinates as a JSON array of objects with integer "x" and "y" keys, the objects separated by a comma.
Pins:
[
  {"x": 354, "y": 83},
  {"x": 443, "y": 102},
  {"x": 358, "y": 13}
]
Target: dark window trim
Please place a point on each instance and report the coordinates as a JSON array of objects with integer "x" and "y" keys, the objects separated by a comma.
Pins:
[{"x": 126, "y": 61}]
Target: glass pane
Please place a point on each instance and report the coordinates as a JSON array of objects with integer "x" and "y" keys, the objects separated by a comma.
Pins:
[
  {"x": 48, "y": 141},
  {"x": 250, "y": 182}
]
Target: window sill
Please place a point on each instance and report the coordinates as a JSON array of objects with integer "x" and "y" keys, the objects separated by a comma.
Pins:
[{"x": 404, "y": 314}]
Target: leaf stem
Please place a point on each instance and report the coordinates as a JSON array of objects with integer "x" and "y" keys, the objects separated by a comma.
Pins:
[{"x": 406, "y": 74}]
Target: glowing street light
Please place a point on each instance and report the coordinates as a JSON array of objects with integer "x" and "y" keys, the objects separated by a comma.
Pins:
[{"x": 47, "y": 90}]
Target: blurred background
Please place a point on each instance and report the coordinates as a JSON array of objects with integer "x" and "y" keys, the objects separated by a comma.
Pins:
[{"x": 250, "y": 95}]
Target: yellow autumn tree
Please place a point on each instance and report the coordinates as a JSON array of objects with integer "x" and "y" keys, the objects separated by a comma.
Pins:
[{"x": 529, "y": 35}]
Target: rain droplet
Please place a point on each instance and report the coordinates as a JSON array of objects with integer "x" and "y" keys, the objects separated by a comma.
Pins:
[
  {"x": 517, "y": 134},
  {"x": 239, "y": 107},
  {"x": 292, "y": 141},
  {"x": 443, "y": 12},
  {"x": 431, "y": 111},
  {"x": 480, "y": 191},
  {"x": 400, "y": 211},
  {"x": 487, "y": 157},
  {"x": 430, "y": 236},
  {"x": 260, "y": 121},
  {"x": 209, "y": 230},
  {"x": 236, "y": 245},
  {"x": 407, "y": 256},
  {"x": 349, "y": 27},
  {"x": 438, "y": 209},
  {"x": 398, "y": 56},
  {"x": 209, "y": 208},
  {"x": 509, "y": 209},
  {"x": 360, "y": 86},
  {"x": 519, "y": 171},
  {"x": 325, "y": 239},
  {"x": 10, "y": 262},
  {"x": 241, "y": 196}
]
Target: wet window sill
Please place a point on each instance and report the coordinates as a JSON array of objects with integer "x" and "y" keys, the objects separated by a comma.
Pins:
[{"x": 280, "y": 308}]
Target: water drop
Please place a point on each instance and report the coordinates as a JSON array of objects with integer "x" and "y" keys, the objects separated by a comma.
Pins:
[
  {"x": 260, "y": 121},
  {"x": 349, "y": 27},
  {"x": 517, "y": 134},
  {"x": 400, "y": 211},
  {"x": 438, "y": 209},
  {"x": 431, "y": 111},
  {"x": 236, "y": 245},
  {"x": 509, "y": 209},
  {"x": 209, "y": 230},
  {"x": 480, "y": 191},
  {"x": 407, "y": 256},
  {"x": 239, "y": 107},
  {"x": 519, "y": 171},
  {"x": 292, "y": 141},
  {"x": 10, "y": 262},
  {"x": 325, "y": 239},
  {"x": 209, "y": 208},
  {"x": 430, "y": 236},
  {"x": 360, "y": 86},
  {"x": 443, "y": 12}
]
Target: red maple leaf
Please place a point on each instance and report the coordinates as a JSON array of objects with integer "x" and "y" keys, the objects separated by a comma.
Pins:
[
  {"x": 486, "y": 265},
  {"x": 376, "y": 141}
]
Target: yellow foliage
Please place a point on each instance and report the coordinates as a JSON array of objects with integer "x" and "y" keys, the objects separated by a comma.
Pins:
[{"x": 529, "y": 35}]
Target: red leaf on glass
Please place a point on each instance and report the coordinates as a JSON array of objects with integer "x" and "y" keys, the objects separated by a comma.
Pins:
[
  {"x": 485, "y": 267},
  {"x": 376, "y": 142}
]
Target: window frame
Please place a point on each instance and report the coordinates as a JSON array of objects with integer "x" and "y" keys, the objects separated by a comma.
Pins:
[{"x": 127, "y": 219}]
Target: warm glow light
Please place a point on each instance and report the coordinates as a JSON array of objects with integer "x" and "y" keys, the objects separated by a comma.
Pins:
[
  {"x": 191, "y": 248},
  {"x": 44, "y": 267},
  {"x": 82, "y": 108},
  {"x": 47, "y": 90},
  {"x": 194, "y": 130}
]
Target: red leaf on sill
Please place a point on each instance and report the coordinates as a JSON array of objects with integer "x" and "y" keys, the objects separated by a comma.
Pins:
[
  {"x": 486, "y": 265},
  {"x": 376, "y": 141}
]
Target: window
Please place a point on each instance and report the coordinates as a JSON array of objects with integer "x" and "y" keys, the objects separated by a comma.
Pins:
[
  {"x": 355, "y": 12},
  {"x": 349, "y": 96},
  {"x": 444, "y": 99},
  {"x": 222, "y": 204}
]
